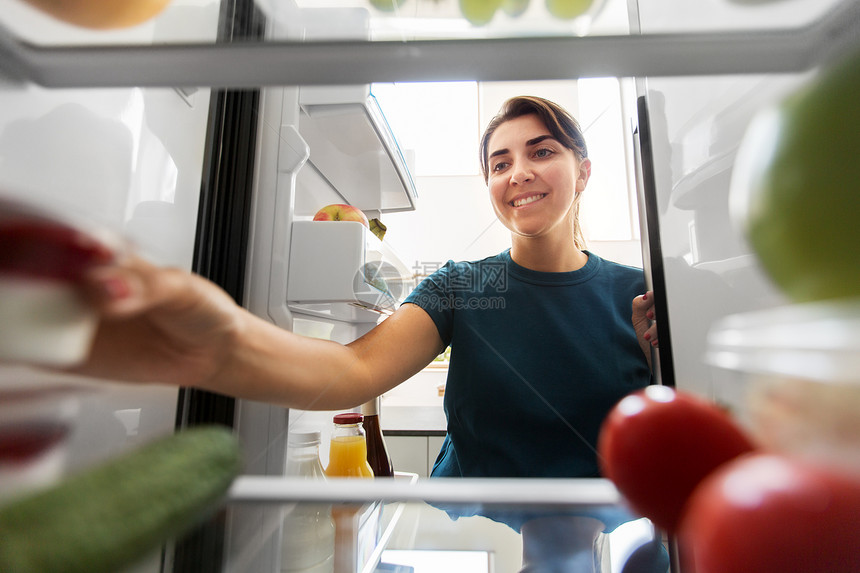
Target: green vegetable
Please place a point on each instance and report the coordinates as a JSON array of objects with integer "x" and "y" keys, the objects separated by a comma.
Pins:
[
  {"x": 796, "y": 187},
  {"x": 111, "y": 516}
]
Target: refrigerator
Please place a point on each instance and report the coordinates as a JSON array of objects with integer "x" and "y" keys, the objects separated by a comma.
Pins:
[{"x": 209, "y": 135}]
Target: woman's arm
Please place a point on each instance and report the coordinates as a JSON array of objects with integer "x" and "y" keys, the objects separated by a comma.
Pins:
[{"x": 172, "y": 327}]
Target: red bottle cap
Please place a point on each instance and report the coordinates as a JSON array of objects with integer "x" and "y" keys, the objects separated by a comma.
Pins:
[{"x": 348, "y": 418}]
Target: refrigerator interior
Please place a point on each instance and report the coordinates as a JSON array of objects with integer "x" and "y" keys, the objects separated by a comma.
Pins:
[{"x": 114, "y": 125}]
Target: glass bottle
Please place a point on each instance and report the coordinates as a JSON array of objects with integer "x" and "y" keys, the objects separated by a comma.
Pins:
[
  {"x": 377, "y": 453},
  {"x": 308, "y": 540},
  {"x": 348, "y": 452}
]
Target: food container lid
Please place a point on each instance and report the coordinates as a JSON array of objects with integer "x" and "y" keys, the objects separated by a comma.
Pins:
[
  {"x": 348, "y": 418},
  {"x": 304, "y": 438},
  {"x": 816, "y": 341}
]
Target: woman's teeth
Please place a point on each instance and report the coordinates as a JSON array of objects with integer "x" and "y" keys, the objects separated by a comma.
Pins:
[{"x": 527, "y": 200}]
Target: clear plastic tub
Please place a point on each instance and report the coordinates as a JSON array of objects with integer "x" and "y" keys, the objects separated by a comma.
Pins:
[{"x": 798, "y": 370}]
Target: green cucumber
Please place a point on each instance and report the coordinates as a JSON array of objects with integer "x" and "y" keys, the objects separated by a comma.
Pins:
[{"x": 111, "y": 516}]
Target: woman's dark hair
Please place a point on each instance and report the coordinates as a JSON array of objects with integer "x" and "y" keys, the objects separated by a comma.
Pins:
[{"x": 562, "y": 126}]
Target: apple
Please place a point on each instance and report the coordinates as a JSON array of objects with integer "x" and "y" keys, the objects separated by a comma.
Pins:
[
  {"x": 101, "y": 14},
  {"x": 794, "y": 188},
  {"x": 341, "y": 212},
  {"x": 568, "y": 9},
  {"x": 479, "y": 12}
]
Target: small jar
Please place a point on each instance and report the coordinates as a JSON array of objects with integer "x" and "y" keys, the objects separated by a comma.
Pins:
[{"x": 348, "y": 448}]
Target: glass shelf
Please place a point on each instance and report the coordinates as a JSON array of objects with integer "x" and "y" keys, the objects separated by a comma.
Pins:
[
  {"x": 493, "y": 516},
  {"x": 731, "y": 37}
]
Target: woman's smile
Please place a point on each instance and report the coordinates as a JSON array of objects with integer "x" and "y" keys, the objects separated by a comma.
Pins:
[{"x": 528, "y": 199}]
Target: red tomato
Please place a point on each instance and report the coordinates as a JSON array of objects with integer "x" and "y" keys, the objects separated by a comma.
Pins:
[
  {"x": 764, "y": 513},
  {"x": 657, "y": 444},
  {"x": 48, "y": 251}
]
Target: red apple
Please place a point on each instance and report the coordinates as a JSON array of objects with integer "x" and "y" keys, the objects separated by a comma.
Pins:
[{"x": 341, "y": 212}]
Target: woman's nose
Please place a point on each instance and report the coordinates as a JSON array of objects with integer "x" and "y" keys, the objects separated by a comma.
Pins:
[{"x": 521, "y": 173}]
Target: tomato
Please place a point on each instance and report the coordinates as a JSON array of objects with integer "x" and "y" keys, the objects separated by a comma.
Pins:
[
  {"x": 657, "y": 444},
  {"x": 48, "y": 251},
  {"x": 763, "y": 512}
]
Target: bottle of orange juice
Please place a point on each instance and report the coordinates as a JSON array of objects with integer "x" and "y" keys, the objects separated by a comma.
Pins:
[{"x": 348, "y": 449}]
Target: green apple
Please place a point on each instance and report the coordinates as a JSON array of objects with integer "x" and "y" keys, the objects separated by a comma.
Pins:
[
  {"x": 479, "y": 12},
  {"x": 386, "y": 5},
  {"x": 796, "y": 187},
  {"x": 514, "y": 8},
  {"x": 568, "y": 9},
  {"x": 341, "y": 212}
]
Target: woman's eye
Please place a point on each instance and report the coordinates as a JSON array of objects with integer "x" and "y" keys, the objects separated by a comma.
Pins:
[
  {"x": 499, "y": 166},
  {"x": 544, "y": 152}
]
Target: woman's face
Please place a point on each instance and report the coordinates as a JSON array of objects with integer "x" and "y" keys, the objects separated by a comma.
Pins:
[{"x": 533, "y": 179}]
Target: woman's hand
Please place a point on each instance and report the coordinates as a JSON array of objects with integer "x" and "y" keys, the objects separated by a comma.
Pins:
[
  {"x": 159, "y": 325},
  {"x": 643, "y": 323}
]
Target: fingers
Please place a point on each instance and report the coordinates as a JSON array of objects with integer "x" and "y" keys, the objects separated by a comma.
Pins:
[
  {"x": 644, "y": 316},
  {"x": 129, "y": 287},
  {"x": 650, "y": 335},
  {"x": 643, "y": 303}
]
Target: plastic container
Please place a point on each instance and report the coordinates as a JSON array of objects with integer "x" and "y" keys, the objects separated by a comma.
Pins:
[
  {"x": 43, "y": 319},
  {"x": 309, "y": 531},
  {"x": 348, "y": 453},
  {"x": 35, "y": 425},
  {"x": 796, "y": 370}
]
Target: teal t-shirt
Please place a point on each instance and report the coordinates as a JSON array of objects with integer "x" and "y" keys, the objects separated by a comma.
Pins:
[{"x": 537, "y": 361}]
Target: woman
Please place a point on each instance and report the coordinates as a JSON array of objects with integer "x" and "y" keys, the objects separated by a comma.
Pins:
[{"x": 541, "y": 335}]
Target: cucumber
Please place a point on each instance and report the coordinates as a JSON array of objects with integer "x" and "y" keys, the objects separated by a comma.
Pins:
[{"x": 111, "y": 516}]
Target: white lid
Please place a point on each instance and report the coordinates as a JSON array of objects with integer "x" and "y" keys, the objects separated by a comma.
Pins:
[
  {"x": 816, "y": 341},
  {"x": 304, "y": 438}
]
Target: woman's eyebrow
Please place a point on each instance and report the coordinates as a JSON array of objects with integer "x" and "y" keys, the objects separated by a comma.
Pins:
[
  {"x": 529, "y": 143},
  {"x": 538, "y": 139}
]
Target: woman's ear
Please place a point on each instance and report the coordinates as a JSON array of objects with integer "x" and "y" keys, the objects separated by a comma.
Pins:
[{"x": 584, "y": 174}]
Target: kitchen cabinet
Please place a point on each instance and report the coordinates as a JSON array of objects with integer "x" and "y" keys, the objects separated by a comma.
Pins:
[{"x": 414, "y": 454}]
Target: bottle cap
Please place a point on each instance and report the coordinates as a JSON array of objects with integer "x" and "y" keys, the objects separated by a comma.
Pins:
[
  {"x": 304, "y": 438},
  {"x": 371, "y": 408},
  {"x": 348, "y": 418}
]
